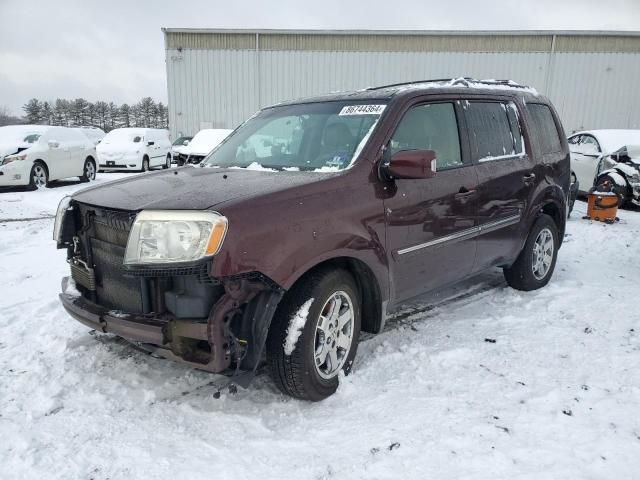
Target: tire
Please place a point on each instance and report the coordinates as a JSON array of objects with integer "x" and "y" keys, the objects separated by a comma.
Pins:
[
  {"x": 89, "y": 171},
  {"x": 145, "y": 164},
  {"x": 606, "y": 183},
  {"x": 527, "y": 273},
  {"x": 39, "y": 176},
  {"x": 167, "y": 163},
  {"x": 573, "y": 192},
  {"x": 301, "y": 374}
]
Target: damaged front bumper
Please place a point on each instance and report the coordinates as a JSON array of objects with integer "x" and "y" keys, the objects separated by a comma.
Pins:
[{"x": 211, "y": 344}]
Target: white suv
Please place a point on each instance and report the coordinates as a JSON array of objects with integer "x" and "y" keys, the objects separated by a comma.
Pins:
[
  {"x": 134, "y": 149},
  {"x": 36, "y": 154}
]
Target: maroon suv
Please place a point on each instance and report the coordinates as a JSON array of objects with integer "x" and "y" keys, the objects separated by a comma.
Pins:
[{"x": 317, "y": 219}]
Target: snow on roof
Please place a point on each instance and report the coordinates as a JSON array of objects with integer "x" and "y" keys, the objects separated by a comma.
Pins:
[
  {"x": 611, "y": 140},
  {"x": 462, "y": 82}
]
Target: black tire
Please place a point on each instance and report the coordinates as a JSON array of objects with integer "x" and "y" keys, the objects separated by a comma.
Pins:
[
  {"x": 145, "y": 164},
  {"x": 296, "y": 374},
  {"x": 167, "y": 163},
  {"x": 39, "y": 176},
  {"x": 606, "y": 183},
  {"x": 522, "y": 274},
  {"x": 573, "y": 192},
  {"x": 88, "y": 171}
]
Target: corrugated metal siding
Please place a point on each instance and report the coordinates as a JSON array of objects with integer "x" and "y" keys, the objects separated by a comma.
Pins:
[
  {"x": 223, "y": 86},
  {"x": 596, "y": 90},
  {"x": 405, "y": 43},
  {"x": 617, "y": 44},
  {"x": 218, "y": 41}
]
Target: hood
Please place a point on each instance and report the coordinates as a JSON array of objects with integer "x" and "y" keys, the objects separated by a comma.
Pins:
[
  {"x": 191, "y": 188},
  {"x": 8, "y": 149}
]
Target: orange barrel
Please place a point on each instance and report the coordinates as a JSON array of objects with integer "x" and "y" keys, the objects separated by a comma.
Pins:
[{"x": 602, "y": 206}]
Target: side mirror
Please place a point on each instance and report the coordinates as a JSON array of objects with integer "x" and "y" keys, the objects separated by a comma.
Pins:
[
  {"x": 411, "y": 164},
  {"x": 53, "y": 143},
  {"x": 185, "y": 143},
  {"x": 150, "y": 143}
]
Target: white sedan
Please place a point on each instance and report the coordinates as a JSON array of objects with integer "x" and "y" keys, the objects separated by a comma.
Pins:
[
  {"x": 36, "y": 154},
  {"x": 588, "y": 147}
]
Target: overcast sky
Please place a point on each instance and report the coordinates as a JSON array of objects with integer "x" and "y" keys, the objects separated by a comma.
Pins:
[{"x": 113, "y": 50}]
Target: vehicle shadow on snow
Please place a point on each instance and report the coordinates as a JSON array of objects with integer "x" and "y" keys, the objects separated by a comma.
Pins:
[{"x": 172, "y": 381}]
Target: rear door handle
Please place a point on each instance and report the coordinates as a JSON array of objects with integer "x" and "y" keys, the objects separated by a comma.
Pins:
[{"x": 529, "y": 179}]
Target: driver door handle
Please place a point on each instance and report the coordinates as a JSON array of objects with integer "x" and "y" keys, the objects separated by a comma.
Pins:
[{"x": 464, "y": 193}]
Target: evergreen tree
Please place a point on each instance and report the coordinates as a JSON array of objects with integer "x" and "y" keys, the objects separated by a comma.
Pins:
[
  {"x": 46, "y": 113},
  {"x": 101, "y": 114},
  {"x": 32, "y": 111},
  {"x": 61, "y": 112},
  {"x": 124, "y": 117},
  {"x": 113, "y": 116}
]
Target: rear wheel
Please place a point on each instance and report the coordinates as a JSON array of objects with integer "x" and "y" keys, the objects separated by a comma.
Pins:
[
  {"x": 167, "y": 163},
  {"x": 607, "y": 184},
  {"x": 314, "y": 335},
  {"x": 39, "y": 176},
  {"x": 537, "y": 260},
  {"x": 89, "y": 171}
]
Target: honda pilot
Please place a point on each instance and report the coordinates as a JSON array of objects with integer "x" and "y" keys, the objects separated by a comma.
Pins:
[{"x": 316, "y": 220}]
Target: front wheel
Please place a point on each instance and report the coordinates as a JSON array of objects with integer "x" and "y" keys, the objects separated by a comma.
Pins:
[
  {"x": 39, "y": 177},
  {"x": 537, "y": 260},
  {"x": 145, "y": 165},
  {"x": 314, "y": 335},
  {"x": 89, "y": 171},
  {"x": 167, "y": 163}
]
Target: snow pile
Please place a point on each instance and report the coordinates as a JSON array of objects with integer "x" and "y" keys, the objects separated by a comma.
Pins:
[
  {"x": 482, "y": 382},
  {"x": 296, "y": 325}
]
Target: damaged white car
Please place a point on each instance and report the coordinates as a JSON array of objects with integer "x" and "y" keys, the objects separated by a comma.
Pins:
[
  {"x": 620, "y": 172},
  {"x": 590, "y": 146}
]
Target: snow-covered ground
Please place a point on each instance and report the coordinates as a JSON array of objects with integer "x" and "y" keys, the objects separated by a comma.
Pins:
[{"x": 492, "y": 383}]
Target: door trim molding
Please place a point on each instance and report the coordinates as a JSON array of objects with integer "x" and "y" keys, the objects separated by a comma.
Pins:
[{"x": 465, "y": 234}]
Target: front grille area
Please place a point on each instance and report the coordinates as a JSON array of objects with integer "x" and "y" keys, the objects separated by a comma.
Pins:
[{"x": 104, "y": 239}]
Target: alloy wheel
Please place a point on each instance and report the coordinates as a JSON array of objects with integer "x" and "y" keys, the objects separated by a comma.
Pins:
[
  {"x": 90, "y": 171},
  {"x": 39, "y": 176},
  {"x": 542, "y": 255},
  {"x": 334, "y": 335}
]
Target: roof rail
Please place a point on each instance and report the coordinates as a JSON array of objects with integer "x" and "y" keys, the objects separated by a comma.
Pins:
[
  {"x": 466, "y": 81},
  {"x": 433, "y": 80}
]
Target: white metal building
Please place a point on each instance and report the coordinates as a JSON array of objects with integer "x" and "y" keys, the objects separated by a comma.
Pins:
[{"x": 218, "y": 78}]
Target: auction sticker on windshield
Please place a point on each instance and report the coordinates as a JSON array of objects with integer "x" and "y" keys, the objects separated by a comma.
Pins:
[{"x": 362, "y": 110}]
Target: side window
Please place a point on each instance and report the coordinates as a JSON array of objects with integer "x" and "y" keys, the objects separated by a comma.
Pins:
[
  {"x": 494, "y": 129},
  {"x": 588, "y": 144},
  {"x": 544, "y": 128},
  {"x": 574, "y": 140},
  {"x": 430, "y": 127}
]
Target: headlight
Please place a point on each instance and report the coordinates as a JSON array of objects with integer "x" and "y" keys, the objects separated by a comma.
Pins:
[
  {"x": 13, "y": 158},
  {"x": 174, "y": 236},
  {"x": 63, "y": 207}
]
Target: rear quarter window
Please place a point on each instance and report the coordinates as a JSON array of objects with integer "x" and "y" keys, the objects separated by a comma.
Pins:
[
  {"x": 544, "y": 128},
  {"x": 494, "y": 129}
]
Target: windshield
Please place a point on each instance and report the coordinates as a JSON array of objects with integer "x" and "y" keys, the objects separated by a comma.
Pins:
[
  {"x": 314, "y": 136},
  {"x": 181, "y": 141},
  {"x": 123, "y": 136},
  {"x": 16, "y": 135}
]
